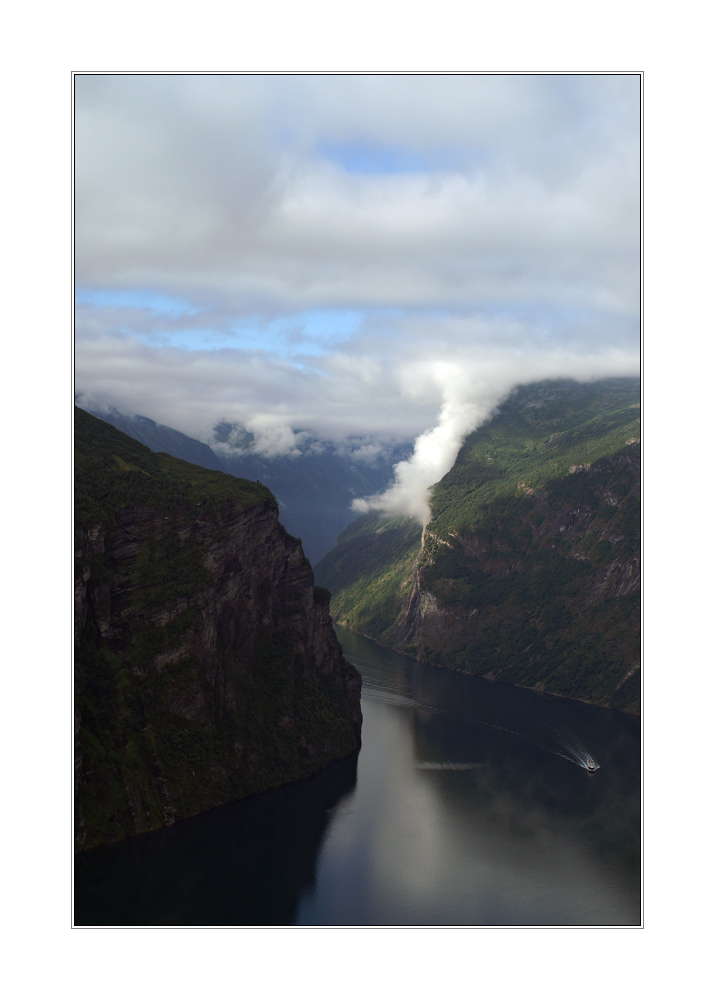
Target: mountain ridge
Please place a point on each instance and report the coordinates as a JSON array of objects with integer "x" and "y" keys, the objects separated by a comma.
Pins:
[
  {"x": 314, "y": 489},
  {"x": 529, "y": 570}
]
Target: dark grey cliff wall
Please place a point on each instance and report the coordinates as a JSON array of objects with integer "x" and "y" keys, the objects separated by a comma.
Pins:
[{"x": 207, "y": 667}]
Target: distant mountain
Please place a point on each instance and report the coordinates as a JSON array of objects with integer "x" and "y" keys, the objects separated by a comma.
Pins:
[
  {"x": 314, "y": 489},
  {"x": 529, "y": 571},
  {"x": 159, "y": 437}
]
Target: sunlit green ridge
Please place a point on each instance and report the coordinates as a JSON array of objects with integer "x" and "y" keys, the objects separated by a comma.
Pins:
[
  {"x": 113, "y": 470},
  {"x": 529, "y": 570}
]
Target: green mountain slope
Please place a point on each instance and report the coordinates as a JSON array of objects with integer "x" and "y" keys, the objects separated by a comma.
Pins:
[
  {"x": 314, "y": 488},
  {"x": 159, "y": 437},
  {"x": 112, "y": 470},
  {"x": 368, "y": 570},
  {"x": 529, "y": 571}
]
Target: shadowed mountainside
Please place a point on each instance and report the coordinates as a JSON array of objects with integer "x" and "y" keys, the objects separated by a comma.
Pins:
[{"x": 206, "y": 665}]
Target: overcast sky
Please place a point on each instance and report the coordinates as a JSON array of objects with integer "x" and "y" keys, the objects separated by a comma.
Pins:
[{"x": 361, "y": 256}]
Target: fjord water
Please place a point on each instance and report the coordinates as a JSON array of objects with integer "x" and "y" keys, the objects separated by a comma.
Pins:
[{"x": 468, "y": 803}]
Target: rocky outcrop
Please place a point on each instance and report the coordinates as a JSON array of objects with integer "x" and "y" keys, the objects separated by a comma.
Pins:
[
  {"x": 552, "y": 603},
  {"x": 207, "y": 667}
]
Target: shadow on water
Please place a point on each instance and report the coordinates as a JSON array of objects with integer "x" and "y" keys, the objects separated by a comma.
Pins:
[{"x": 245, "y": 863}]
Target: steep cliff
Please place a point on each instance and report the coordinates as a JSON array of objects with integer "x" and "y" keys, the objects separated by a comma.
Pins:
[
  {"x": 529, "y": 571},
  {"x": 206, "y": 665}
]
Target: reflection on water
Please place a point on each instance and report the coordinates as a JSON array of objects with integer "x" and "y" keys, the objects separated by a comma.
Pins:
[{"x": 471, "y": 805}]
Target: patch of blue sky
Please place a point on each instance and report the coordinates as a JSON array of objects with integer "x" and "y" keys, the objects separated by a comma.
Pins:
[
  {"x": 309, "y": 333},
  {"x": 357, "y": 158},
  {"x": 313, "y": 332},
  {"x": 134, "y": 299},
  {"x": 368, "y": 159}
]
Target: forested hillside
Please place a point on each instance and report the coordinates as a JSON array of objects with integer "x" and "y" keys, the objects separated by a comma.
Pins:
[
  {"x": 314, "y": 487},
  {"x": 529, "y": 571}
]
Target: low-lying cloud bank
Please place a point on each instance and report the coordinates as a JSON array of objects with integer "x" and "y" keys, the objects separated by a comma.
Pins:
[
  {"x": 363, "y": 398},
  {"x": 428, "y": 379},
  {"x": 469, "y": 399}
]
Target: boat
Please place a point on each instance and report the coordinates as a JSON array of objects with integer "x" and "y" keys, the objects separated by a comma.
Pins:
[{"x": 591, "y": 765}]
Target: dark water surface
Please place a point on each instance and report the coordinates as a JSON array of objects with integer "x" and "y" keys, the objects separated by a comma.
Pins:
[{"x": 467, "y": 804}]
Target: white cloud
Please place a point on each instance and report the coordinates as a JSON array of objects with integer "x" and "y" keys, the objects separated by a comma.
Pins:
[
  {"x": 470, "y": 392},
  {"x": 504, "y": 249},
  {"x": 216, "y": 189}
]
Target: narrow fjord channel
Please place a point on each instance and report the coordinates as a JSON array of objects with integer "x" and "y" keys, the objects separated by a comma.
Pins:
[{"x": 469, "y": 803}]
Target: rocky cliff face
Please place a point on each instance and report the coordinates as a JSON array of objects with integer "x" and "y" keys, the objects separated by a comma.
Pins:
[
  {"x": 549, "y": 598},
  {"x": 206, "y": 664}
]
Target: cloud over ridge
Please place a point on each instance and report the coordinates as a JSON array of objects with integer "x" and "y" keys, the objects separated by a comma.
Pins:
[
  {"x": 366, "y": 259},
  {"x": 469, "y": 399}
]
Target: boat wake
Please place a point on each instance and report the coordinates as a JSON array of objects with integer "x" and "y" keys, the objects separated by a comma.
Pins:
[
  {"x": 571, "y": 748},
  {"x": 555, "y": 740},
  {"x": 567, "y": 746},
  {"x": 389, "y": 696},
  {"x": 445, "y": 765},
  {"x": 384, "y": 695}
]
